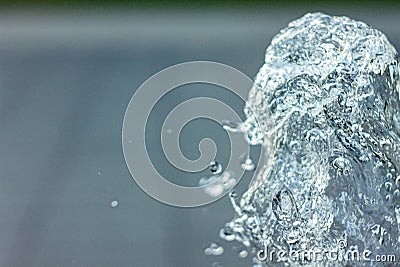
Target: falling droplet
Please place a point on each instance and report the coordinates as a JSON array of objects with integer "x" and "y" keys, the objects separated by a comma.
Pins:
[
  {"x": 215, "y": 167},
  {"x": 114, "y": 203},
  {"x": 243, "y": 254},
  {"x": 248, "y": 164}
]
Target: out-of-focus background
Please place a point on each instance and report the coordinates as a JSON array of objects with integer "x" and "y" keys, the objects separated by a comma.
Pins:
[{"x": 67, "y": 73}]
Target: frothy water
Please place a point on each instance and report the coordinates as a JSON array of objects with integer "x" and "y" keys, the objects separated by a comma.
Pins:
[{"x": 332, "y": 86}]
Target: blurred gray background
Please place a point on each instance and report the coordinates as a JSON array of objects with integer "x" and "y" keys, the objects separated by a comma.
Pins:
[{"x": 66, "y": 78}]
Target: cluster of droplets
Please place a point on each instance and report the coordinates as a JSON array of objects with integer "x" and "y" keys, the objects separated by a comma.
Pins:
[
  {"x": 329, "y": 95},
  {"x": 218, "y": 183}
]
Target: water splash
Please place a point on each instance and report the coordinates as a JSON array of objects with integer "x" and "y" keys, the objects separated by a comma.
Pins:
[{"x": 332, "y": 87}]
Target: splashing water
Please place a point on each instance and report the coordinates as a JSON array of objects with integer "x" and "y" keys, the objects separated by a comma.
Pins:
[{"x": 332, "y": 86}]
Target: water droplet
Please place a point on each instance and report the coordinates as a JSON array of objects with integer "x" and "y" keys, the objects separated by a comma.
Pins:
[
  {"x": 213, "y": 249},
  {"x": 114, "y": 203},
  {"x": 169, "y": 131},
  {"x": 215, "y": 167},
  {"x": 243, "y": 254},
  {"x": 99, "y": 173},
  {"x": 248, "y": 165}
]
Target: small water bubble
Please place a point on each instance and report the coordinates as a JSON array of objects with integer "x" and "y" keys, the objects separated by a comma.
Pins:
[
  {"x": 99, "y": 173},
  {"x": 284, "y": 206},
  {"x": 215, "y": 167},
  {"x": 248, "y": 165},
  {"x": 169, "y": 131},
  {"x": 114, "y": 203}
]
